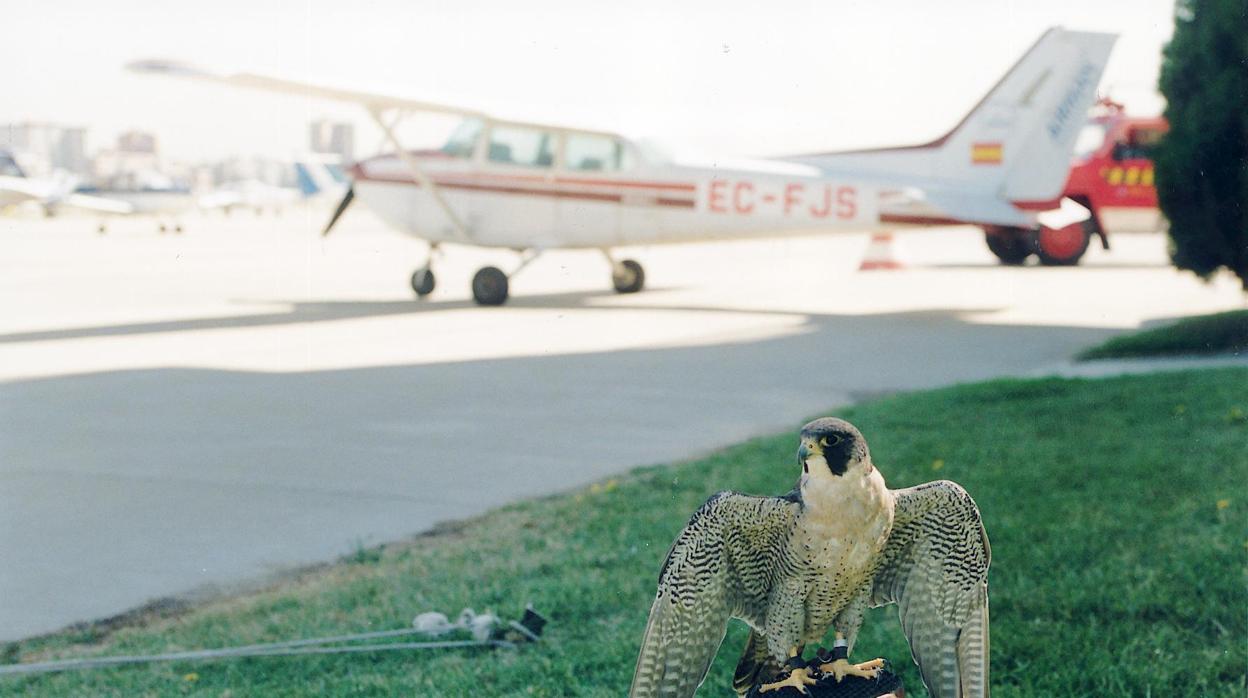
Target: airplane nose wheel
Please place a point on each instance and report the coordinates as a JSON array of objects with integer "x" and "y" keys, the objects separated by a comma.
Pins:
[
  {"x": 628, "y": 277},
  {"x": 423, "y": 281},
  {"x": 489, "y": 286}
]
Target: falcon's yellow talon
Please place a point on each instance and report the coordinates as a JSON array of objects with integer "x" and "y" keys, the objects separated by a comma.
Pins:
[
  {"x": 799, "y": 679},
  {"x": 842, "y": 668}
]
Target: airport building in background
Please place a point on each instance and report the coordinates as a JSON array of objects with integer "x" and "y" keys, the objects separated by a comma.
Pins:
[
  {"x": 330, "y": 137},
  {"x": 44, "y": 147}
]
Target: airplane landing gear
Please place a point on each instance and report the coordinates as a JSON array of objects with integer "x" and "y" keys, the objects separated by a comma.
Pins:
[
  {"x": 423, "y": 281},
  {"x": 489, "y": 286},
  {"x": 1010, "y": 245},
  {"x": 628, "y": 277}
]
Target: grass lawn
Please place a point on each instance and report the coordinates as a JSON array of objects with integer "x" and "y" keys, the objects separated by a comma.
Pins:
[
  {"x": 1117, "y": 510},
  {"x": 1220, "y": 333}
]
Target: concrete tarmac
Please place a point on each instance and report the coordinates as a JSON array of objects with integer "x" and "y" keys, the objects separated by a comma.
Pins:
[{"x": 186, "y": 413}]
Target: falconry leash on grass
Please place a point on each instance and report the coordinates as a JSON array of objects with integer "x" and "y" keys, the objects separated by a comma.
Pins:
[{"x": 487, "y": 631}]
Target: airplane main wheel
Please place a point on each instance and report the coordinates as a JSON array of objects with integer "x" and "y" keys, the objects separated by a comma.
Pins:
[
  {"x": 489, "y": 286},
  {"x": 1061, "y": 247},
  {"x": 628, "y": 277},
  {"x": 1009, "y": 245},
  {"x": 423, "y": 282}
]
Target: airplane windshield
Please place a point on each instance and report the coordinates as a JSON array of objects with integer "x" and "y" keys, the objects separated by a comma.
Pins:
[
  {"x": 463, "y": 140},
  {"x": 595, "y": 153}
]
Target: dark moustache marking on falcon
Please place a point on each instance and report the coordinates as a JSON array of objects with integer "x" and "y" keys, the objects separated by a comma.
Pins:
[{"x": 838, "y": 441}]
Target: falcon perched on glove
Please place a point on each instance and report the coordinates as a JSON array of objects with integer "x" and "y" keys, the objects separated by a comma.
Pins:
[{"x": 793, "y": 566}]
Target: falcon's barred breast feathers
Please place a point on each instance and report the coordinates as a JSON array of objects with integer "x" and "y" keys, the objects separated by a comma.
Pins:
[{"x": 818, "y": 557}]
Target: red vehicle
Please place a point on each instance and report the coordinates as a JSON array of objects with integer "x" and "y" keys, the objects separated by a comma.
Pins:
[{"x": 1111, "y": 176}]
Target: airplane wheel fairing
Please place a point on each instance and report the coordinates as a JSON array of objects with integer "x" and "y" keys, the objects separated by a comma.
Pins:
[
  {"x": 423, "y": 282},
  {"x": 628, "y": 277},
  {"x": 489, "y": 286},
  {"x": 1009, "y": 245},
  {"x": 1061, "y": 246}
]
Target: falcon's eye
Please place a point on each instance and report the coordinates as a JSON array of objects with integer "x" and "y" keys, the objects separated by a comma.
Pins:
[{"x": 831, "y": 440}]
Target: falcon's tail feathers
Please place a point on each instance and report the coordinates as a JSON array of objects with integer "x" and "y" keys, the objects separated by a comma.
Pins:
[
  {"x": 973, "y": 653},
  {"x": 756, "y": 663},
  {"x": 677, "y": 650}
]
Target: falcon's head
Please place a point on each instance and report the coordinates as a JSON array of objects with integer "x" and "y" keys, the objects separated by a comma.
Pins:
[{"x": 831, "y": 445}]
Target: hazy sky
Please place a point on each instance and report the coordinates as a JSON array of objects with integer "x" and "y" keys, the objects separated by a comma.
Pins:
[{"x": 742, "y": 78}]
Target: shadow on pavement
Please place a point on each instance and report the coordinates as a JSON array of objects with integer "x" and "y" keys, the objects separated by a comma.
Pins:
[{"x": 120, "y": 487}]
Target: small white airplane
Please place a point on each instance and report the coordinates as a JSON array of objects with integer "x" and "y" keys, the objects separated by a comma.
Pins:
[
  {"x": 52, "y": 194},
  {"x": 532, "y": 187},
  {"x": 319, "y": 177},
  {"x": 147, "y": 193}
]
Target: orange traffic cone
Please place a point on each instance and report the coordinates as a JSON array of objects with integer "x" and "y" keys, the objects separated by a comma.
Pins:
[{"x": 879, "y": 254}]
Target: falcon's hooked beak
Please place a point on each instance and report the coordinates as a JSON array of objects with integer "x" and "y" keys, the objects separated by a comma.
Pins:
[{"x": 802, "y": 454}]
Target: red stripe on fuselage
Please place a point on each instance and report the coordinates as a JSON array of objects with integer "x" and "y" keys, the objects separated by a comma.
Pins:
[{"x": 515, "y": 184}]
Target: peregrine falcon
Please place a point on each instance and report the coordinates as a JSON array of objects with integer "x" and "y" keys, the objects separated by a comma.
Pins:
[{"x": 790, "y": 567}]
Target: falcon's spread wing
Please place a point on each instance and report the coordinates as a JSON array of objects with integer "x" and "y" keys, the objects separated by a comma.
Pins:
[
  {"x": 935, "y": 568},
  {"x": 720, "y": 566}
]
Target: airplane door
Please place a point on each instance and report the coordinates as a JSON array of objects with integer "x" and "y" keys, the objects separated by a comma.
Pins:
[
  {"x": 513, "y": 198},
  {"x": 590, "y": 190}
]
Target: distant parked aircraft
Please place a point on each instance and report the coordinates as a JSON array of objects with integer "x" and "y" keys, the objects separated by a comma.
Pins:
[
  {"x": 52, "y": 194},
  {"x": 320, "y": 178}
]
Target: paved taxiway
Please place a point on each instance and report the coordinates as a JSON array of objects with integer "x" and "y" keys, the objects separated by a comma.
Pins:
[{"x": 184, "y": 412}]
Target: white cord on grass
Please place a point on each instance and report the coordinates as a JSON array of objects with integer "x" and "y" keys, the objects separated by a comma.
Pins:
[{"x": 271, "y": 649}]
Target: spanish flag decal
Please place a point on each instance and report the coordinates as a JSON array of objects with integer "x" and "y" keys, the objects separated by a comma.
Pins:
[{"x": 986, "y": 153}]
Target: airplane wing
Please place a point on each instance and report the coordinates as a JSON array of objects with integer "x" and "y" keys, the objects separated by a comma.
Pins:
[
  {"x": 372, "y": 100},
  {"x": 52, "y": 194},
  {"x": 96, "y": 204},
  {"x": 16, "y": 190},
  {"x": 376, "y": 104}
]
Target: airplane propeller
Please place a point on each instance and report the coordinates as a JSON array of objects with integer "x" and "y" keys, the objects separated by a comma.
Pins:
[{"x": 342, "y": 207}]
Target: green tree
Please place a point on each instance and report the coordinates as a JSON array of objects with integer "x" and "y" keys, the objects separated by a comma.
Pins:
[{"x": 1202, "y": 164}]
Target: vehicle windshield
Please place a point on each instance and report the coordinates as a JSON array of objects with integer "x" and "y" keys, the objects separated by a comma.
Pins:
[
  {"x": 1090, "y": 138},
  {"x": 463, "y": 140}
]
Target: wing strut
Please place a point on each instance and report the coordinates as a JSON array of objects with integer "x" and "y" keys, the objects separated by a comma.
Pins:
[{"x": 419, "y": 174}]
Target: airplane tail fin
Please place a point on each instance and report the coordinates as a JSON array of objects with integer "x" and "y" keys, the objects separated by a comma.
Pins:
[
  {"x": 309, "y": 183},
  {"x": 1017, "y": 142},
  {"x": 1027, "y": 124},
  {"x": 317, "y": 176},
  {"x": 9, "y": 166}
]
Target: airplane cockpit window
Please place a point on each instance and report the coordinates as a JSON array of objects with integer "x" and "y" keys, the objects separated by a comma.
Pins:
[
  {"x": 586, "y": 152},
  {"x": 520, "y": 145},
  {"x": 463, "y": 140}
]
